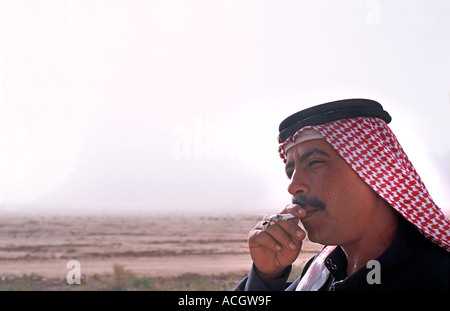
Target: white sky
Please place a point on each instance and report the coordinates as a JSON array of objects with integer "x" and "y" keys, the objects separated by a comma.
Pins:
[{"x": 138, "y": 104}]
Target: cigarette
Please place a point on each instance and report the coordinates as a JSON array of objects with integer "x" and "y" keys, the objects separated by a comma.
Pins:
[{"x": 281, "y": 217}]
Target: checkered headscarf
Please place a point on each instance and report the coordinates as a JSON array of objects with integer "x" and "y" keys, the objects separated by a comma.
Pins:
[{"x": 369, "y": 146}]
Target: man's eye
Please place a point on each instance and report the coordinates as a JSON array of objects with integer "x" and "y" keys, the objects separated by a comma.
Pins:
[
  {"x": 315, "y": 162},
  {"x": 289, "y": 174}
]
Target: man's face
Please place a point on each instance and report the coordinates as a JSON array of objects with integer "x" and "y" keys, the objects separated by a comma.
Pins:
[{"x": 338, "y": 202}]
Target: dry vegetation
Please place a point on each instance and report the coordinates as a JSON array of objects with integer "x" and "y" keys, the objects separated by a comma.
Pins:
[{"x": 122, "y": 279}]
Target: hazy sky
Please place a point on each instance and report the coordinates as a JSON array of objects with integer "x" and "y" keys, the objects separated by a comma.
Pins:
[{"x": 176, "y": 104}]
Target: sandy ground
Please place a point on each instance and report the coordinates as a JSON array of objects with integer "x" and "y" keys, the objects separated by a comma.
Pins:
[{"x": 146, "y": 244}]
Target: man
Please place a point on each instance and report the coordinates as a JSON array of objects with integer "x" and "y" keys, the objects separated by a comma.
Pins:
[{"x": 355, "y": 191}]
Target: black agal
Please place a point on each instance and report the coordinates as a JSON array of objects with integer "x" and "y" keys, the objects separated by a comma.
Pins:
[{"x": 329, "y": 112}]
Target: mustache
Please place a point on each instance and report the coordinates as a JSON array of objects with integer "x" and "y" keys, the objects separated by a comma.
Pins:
[{"x": 311, "y": 201}]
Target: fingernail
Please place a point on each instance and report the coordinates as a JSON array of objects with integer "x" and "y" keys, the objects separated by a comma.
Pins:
[
  {"x": 292, "y": 245},
  {"x": 299, "y": 233},
  {"x": 278, "y": 247},
  {"x": 300, "y": 210}
]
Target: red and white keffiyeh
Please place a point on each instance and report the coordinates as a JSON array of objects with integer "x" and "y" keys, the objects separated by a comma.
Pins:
[{"x": 369, "y": 146}]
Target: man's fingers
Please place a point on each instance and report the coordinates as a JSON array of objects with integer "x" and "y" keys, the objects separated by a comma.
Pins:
[
  {"x": 259, "y": 237},
  {"x": 279, "y": 234},
  {"x": 295, "y": 210},
  {"x": 277, "y": 244},
  {"x": 291, "y": 226},
  {"x": 293, "y": 229}
]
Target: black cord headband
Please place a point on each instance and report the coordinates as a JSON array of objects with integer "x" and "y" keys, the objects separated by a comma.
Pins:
[{"x": 329, "y": 112}]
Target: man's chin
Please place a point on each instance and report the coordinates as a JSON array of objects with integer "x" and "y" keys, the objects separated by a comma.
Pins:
[
  {"x": 313, "y": 238},
  {"x": 317, "y": 236}
]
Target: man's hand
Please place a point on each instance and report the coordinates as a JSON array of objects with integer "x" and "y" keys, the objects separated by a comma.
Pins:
[{"x": 278, "y": 246}]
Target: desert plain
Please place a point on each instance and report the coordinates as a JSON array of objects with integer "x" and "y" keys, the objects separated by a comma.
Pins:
[{"x": 145, "y": 250}]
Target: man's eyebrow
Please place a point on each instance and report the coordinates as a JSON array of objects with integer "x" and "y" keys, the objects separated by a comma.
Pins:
[
  {"x": 289, "y": 165},
  {"x": 305, "y": 157},
  {"x": 309, "y": 153}
]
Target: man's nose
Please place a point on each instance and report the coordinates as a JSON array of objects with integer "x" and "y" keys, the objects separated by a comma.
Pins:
[{"x": 298, "y": 183}]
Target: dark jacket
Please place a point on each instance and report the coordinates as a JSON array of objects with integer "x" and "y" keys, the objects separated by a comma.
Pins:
[{"x": 411, "y": 262}]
